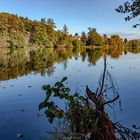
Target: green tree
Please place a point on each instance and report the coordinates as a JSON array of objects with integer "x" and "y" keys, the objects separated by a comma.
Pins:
[
  {"x": 43, "y": 21},
  {"x": 115, "y": 40},
  {"x": 83, "y": 38},
  {"x": 76, "y": 35},
  {"x": 76, "y": 42},
  {"x": 51, "y": 23},
  {"x": 94, "y": 38},
  {"x": 65, "y": 29}
]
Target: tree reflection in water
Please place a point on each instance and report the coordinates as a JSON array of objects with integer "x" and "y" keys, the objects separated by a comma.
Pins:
[{"x": 18, "y": 62}]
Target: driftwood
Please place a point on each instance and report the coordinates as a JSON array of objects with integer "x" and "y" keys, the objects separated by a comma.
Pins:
[
  {"x": 86, "y": 115},
  {"x": 107, "y": 129},
  {"x": 104, "y": 124}
]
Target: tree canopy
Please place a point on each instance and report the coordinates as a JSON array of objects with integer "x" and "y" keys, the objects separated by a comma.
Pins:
[{"x": 17, "y": 31}]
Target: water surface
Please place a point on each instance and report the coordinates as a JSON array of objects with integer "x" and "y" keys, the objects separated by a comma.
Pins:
[{"x": 24, "y": 72}]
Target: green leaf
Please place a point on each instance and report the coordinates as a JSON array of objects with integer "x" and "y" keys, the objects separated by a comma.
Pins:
[
  {"x": 76, "y": 94},
  {"x": 48, "y": 93},
  {"x": 57, "y": 84},
  {"x": 64, "y": 79},
  {"x": 67, "y": 89},
  {"x": 47, "y": 113},
  {"x": 82, "y": 98},
  {"x": 46, "y": 87},
  {"x": 41, "y": 105},
  {"x": 61, "y": 96},
  {"x": 50, "y": 115},
  {"x": 56, "y": 95}
]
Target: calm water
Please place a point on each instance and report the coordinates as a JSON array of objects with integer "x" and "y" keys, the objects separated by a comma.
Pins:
[{"x": 22, "y": 74}]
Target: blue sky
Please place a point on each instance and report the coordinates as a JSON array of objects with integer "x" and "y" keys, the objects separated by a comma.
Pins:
[{"x": 78, "y": 15}]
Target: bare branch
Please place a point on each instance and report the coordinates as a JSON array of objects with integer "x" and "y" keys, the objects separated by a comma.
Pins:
[
  {"x": 91, "y": 95},
  {"x": 111, "y": 101},
  {"x": 103, "y": 77}
]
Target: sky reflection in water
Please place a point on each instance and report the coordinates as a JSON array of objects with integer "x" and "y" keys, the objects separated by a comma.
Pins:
[{"x": 21, "y": 93}]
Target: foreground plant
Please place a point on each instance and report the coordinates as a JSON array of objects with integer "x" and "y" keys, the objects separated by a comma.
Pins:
[{"x": 86, "y": 114}]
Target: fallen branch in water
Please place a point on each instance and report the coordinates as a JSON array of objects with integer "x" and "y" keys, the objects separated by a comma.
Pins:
[{"x": 86, "y": 114}]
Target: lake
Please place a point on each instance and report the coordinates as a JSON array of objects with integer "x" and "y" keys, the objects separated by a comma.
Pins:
[{"x": 23, "y": 73}]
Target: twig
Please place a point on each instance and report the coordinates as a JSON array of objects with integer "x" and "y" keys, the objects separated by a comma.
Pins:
[
  {"x": 111, "y": 101},
  {"x": 103, "y": 77}
]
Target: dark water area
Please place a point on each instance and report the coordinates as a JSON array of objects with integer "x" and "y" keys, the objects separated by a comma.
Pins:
[{"x": 24, "y": 72}]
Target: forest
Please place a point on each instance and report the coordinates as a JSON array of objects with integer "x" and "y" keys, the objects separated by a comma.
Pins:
[{"x": 21, "y": 32}]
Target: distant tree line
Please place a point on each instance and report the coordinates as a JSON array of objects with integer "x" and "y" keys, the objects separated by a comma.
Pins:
[
  {"x": 17, "y": 31},
  {"x": 132, "y": 43}
]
